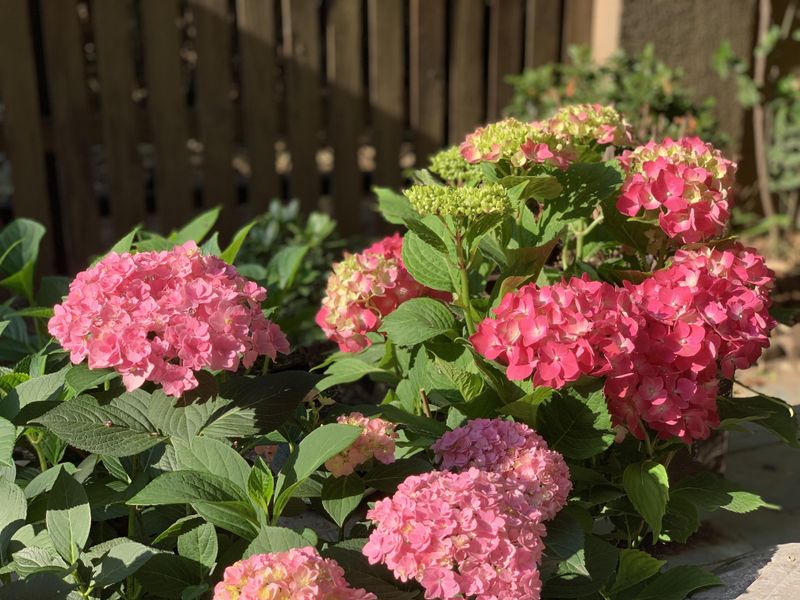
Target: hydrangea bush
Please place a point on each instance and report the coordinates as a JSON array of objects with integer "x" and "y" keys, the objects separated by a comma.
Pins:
[{"x": 549, "y": 337}]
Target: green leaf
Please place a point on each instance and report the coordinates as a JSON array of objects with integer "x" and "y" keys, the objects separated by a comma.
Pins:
[
  {"x": 236, "y": 516},
  {"x": 68, "y": 517},
  {"x": 647, "y": 486},
  {"x": 680, "y": 522},
  {"x": 394, "y": 207},
  {"x": 212, "y": 456},
  {"x": 275, "y": 539},
  {"x": 38, "y": 560},
  {"x": 526, "y": 408},
  {"x": 119, "y": 562},
  {"x": 359, "y": 573},
  {"x": 480, "y": 227},
  {"x": 46, "y": 388},
  {"x": 180, "y": 526},
  {"x": 317, "y": 447},
  {"x": 341, "y": 496},
  {"x": 773, "y": 414},
  {"x": 185, "y": 487},
  {"x": 200, "y": 545},
  {"x": 417, "y": 320},
  {"x": 19, "y": 248},
  {"x": 635, "y": 566},
  {"x": 8, "y": 437},
  {"x": 117, "y": 428},
  {"x": 524, "y": 266},
  {"x": 33, "y": 312},
  {"x": 576, "y": 425},
  {"x": 197, "y": 228},
  {"x": 426, "y": 234},
  {"x": 430, "y": 269},
  {"x": 168, "y": 575},
  {"x": 678, "y": 583},
  {"x": 124, "y": 244},
  {"x": 286, "y": 263},
  {"x": 261, "y": 485},
  {"x": 211, "y": 246},
  {"x": 386, "y": 478},
  {"x": 585, "y": 572},
  {"x": 346, "y": 370},
  {"x": 37, "y": 587},
  {"x": 417, "y": 423},
  {"x": 230, "y": 253},
  {"x": 81, "y": 378},
  {"x": 539, "y": 187},
  {"x": 710, "y": 492}
]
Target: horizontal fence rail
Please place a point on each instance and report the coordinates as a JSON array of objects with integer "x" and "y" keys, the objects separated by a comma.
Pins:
[{"x": 120, "y": 112}]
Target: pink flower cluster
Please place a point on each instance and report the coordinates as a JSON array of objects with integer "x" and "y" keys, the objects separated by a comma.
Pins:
[
  {"x": 514, "y": 451},
  {"x": 363, "y": 289},
  {"x": 376, "y": 440},
  {"x": 585, "y": 124},
  {"x": 557, "y": 333},
  {"x": 700, "y": 319},
  {"x": 162, "y": 316},
  {"x": 460, "y": 535},
  {"x": 299, "y": 574},
  {"x": 662, "y": 344},
  {"x": 686, "y": 183}
]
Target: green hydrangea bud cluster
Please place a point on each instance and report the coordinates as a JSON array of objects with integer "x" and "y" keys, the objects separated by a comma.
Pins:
[
  {"x": 451, "y": 167},
  {"x": 468, "y": 202},
  {"x": 589, "y": 123},
  {"x": 496, "y": 141}
]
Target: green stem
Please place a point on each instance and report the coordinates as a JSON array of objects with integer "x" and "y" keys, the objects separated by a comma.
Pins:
[
  {"x": 463, "y": 292},
  {"x": 34, "y": 442},
  {"x": 564, "y": 249}
]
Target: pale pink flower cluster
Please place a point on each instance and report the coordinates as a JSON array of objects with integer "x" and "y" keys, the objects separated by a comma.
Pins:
[
  {"x": 662, "y": 344},
  {"x": 296, "y": 574},
  {"x": 700, "y": 319},
  {"x": 460, "y": 535},
  {"x": 163, "y": 316},
  {"x": 557, "y": 333},
  {"x": 514, "y": 451},
  {"x": 376, "y": 441},
  {"x": 585, "y": 124},
  {"x": 364, "y": 288},
  {"x": 687, "y": 184}
]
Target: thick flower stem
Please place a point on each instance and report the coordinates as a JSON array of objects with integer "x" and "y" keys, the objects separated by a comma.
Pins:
[
  {"x": 34, "y": 441},
  {"x": 463, "y": 292}
]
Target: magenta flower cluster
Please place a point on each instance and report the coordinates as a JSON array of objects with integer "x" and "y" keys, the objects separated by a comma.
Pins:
[
  {"x": 460, "y": 535},
  {"x": 299, "y": 574},
  {"x": 376, "y": 441},
  {"x": 662, "y": 344},
  {"x": 687, "y": 184},
  {"x": 163, "y": 316},
  {"x": 514, "y": 451},
  {"x": 364, "y": 288}
]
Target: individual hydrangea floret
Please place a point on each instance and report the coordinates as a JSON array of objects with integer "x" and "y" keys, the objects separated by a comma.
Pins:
[
  {"x": 496, "y": 141},
  {"x": 585, "y": 124},
  {"x": 364, "y": 288},
  {"x": 376, "y": 441},
  {"x": 687, "y": 184},
  {"x": 163, "y": 316},
  {"x": 470, "y": 202},
  {"x": 514, "y": 451},
  {"x": 296, "y": 574},
  {"x": 453, "y": 169},
  {"x": 555, "y": 333},
  {"x": 460, "y": 535}
]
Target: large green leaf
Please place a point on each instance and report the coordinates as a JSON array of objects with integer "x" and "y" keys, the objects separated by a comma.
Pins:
[
  {"x": 13, "y": 509},
  {"x": 8, "y": 437},
  {"x": 584, "y": 572},
  {"x": 168, "y": 576},
  {"x": 37, "y": 587},
  {"x": 317, "y": 447},
  {"x": 429, "y": 268},
  {"x": 81, "y": 378},
  {"x": 426, "y": 234},
  {"x": 773, "y": 414},
  {"x": 38, "y": 560},
  {"x": 635, "y": 566},
  {"x": 261, "y": 485},
  {"x": 230, "y": 253},
  {"x": 186, "y": 487},
  {"x": 119, "y": 427},
  {"x": 197, "y": 228},
  {"x": 120, "y": 561},
  {"x": 647, "y": 486},
  {"x": 386, "y": 478},
  {"x": 69, "y": 516},
  {"x": 46, "y": 388},
  {"x": 285, "y": 264},
  {"x": 275, "y": 539},
  {"x": 200, "y": 545},
  {"x": 575, "y": 424},
  {"x": 524, "y": 266},
  {"x": 394, "y": 207},
  {"x": 341, "y": 496},
  {"x": 19, "y": 249},
  {"x": 678, "y": 583},
  {"x": 346, "y": 370},
  {"x": 212, "y": 456},
  {"x": 417, "y": 320},
  {"x": 710, "y": 492}
]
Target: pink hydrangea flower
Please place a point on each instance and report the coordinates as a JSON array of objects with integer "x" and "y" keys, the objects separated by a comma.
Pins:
[
  {"x": 299, "y": 574},
  {"x": 376, "y": 441},
  {"x": 687, "y": 184},
  {"x": 555, "y": 333},
  {"x": 363, "y": 289},
  {"x": 514, "y": 451},
  {"x": 460, "y": 535},
  {"x": 585, "y": 124},
  {"x": 163, "y": 316}
]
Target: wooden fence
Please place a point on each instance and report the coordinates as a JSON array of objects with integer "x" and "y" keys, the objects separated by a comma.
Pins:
[{"x": 118, "y": 112}]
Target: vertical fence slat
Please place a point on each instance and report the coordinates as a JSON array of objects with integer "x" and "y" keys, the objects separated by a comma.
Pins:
[
  {"x": 213, "y": 86},
  {"x": 505, "y": 52},
  {"x": 428, "y": 81},
  {"x": 70, "y": 110},
  {"x": 303, "y": 105},
  {"x": 346, "y": 108},
  {"x": 166, "y": 103},
  {"x": 386, "y": 63},
  {"x": 256, "y": 22},
  {"x": 112, "y": 20},
  {"x": 542, "y": 32},
  {"x": 466, "y": 68},
  {"x": 23, "y": 131},
  {"x": 577, "y": 25}
]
